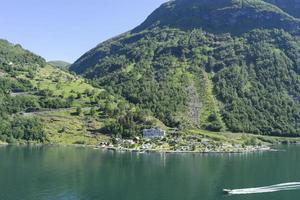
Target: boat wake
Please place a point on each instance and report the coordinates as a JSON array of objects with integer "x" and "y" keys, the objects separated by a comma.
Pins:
[{"x": 266, "y": 189}]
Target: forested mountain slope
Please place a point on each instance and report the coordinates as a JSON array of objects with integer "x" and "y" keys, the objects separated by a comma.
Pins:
[
  {"x": 42, "y": 103},
  {"x": 218, "y": 65},
  {"x": 290, "y": 6},
  {"x": 220, "y": 16}
]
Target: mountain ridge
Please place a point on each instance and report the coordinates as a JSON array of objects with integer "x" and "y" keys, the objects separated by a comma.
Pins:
[
  {"x": 237, "y": 80},
  {"x": 219, "y": 16},
  {"x": 290, "y": 6}
]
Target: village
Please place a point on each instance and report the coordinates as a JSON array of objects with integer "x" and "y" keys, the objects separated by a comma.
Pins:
[{"x": 157, "y": 140}]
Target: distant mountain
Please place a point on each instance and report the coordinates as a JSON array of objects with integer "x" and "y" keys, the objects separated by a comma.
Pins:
[
  {"x": 60, "y": 64},
  {"x": 217, "y": 65}
]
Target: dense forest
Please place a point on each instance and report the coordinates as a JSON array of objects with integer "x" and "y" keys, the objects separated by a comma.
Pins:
[
  {"x": 13, "y": 58},
  {"x": 217, "y": 65},
  {"x": 289, "y": 6}
]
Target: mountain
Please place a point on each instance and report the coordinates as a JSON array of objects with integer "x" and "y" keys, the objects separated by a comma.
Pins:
[
  {"x": 290, "y": 6},
  {"x": 60, "y": 64},
  {"x": 216, "y": 65},
  {"x": 11, "y": 54},
  {"x": 43, "y": 103},
  {"x": 220, "y": 16}
]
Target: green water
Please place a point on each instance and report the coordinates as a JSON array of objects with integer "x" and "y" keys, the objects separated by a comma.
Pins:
[{"x": 70, "y": 173}]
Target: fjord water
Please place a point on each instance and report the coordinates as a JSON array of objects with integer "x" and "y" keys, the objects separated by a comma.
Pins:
[{"x": 72, "y": 173}]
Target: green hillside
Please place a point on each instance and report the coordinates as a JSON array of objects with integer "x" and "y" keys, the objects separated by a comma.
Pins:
[
  {"x": 42, "y": 103},
  {"x": 220, "y": 16},
  {"x": 215, "y": 65}
]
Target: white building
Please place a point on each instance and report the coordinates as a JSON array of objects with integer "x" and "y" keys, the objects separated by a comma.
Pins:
[{"x": 154, "y": 133}]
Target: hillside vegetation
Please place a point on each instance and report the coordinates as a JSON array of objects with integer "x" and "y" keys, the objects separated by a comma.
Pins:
[
  {"x": 60, "y": 64},
  {"x": 290, "y": 6},
  {"x": 42, "y": 103},
  {"x": 216, "y": 65},
  {"x": 220, "y": 16}
]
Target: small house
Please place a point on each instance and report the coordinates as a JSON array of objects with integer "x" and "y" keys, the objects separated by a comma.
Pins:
[{"x": 154, "y": 133}]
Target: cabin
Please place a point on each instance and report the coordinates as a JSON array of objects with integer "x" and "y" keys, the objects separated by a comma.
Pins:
[{"x": 154, "y": 133}]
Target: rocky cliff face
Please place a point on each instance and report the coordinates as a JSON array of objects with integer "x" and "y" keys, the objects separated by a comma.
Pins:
[{"x": 290, "y": 6}]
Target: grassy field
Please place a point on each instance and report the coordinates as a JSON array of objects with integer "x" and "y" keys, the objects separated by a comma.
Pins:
[
  {"x": 61, "y": 83},
  {"x": 243, "y": 138},
  {"x": 64, "y": 126}
]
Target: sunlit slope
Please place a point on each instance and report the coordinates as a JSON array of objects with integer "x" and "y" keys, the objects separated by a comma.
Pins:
[
  {"x": 216, "y": 65},
  {"x": 43, "y": 103}
]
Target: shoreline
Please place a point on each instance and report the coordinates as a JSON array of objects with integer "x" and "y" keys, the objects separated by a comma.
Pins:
[
  {"x": 175, "y": 145},
  {"x": 118, "y": 149},
  {"x": 233, "y": 151}
]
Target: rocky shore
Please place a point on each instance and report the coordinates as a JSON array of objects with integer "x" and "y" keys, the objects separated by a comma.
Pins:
[
  {"x": 3, "y": 143},
  {"x": 180, "y": 144}
]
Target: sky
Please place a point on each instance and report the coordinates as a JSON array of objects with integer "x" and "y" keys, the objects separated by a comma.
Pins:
[{"x": 65, "y": 29}]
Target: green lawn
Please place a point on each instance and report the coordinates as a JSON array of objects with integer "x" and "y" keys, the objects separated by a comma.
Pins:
[
  {"x": 61, "y": 83},
  {"x": 66, "y": 128}
]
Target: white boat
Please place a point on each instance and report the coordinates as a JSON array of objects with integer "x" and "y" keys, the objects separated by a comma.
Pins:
[{"x": 227, "y": 191}]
